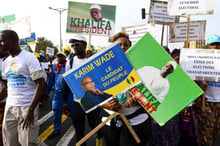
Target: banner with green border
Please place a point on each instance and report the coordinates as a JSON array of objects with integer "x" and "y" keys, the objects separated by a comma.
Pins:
[{"x": 148, "y": 58}]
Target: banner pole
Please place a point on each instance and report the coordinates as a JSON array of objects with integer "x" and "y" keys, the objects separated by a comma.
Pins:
[
  {"x": 137, "y": 139},
  {"x": 90, "y": 38},
  {"x": 162, "y": 36},
  {"x": 187, "y": 35},
  {"x": 96, "y": 129}
]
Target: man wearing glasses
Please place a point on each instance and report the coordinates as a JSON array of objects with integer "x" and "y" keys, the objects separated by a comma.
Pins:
[
  {"x": 92, "y": 96},
  {"x": 77, "y": 114}
]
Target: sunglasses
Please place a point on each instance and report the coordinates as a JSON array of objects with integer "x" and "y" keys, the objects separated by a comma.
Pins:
[{"x": 76, "y": 45}]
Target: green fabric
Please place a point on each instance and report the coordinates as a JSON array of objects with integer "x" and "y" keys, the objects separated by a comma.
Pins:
[{"x": 37, "y": 75}]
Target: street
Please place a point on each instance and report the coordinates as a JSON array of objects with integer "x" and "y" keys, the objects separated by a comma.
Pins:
[{"x": 67, "y": 135}]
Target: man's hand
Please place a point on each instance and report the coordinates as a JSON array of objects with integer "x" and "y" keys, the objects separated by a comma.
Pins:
[
  {"x": 131, "y": 100},
  {"x": 112, "y": 104},
  {"x": 97, "y": 92},
  {"x": 27, "y": 120}
]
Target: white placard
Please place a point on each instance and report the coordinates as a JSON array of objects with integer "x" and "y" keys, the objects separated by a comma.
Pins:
[
  {"x": 21, "y": 26},
  {"x": 190, "y": 7},
  {"x": 158, "y": 14},
  {"x": 201, "y": 64},
  {"x": 50, "y": 51},
  {"x": 138, "y": 31},
  {"x": 178, "y": 32}
]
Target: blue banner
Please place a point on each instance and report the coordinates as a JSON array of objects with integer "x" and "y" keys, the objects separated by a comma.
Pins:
[{"x": 109, "y": 71}]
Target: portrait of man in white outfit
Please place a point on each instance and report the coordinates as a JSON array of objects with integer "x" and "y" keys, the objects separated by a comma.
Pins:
[{"x": 156, "y": 80}]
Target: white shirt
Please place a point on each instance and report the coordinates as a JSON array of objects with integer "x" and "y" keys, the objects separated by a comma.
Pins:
[
  {"x": 213, "y": 92},
  {"x": 152, "y": 79},
  {"x": 17, "y": 71},
  {"x": 76, "y": 62}
]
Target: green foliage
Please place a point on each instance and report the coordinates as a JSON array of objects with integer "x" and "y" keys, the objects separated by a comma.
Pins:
[{"x": 43, "y": 43}]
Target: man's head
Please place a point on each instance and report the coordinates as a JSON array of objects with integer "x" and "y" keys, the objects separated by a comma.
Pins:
[
  {"x": 96, "y": 12},
  {"x": 87, "y": 84},
  {"x": 67, "y": 50},
  {"x": 9, "y": 42},
  {"x": 176, "y": 55},
  {"x": 79, "y": 46},
  {"x": 168, "y": 68},
  {"x": 61, "y": 57},
  {"x": 213, "y": 42},
  {"x": 89, "y": 53},
  {"x": 123, "y": 39}
]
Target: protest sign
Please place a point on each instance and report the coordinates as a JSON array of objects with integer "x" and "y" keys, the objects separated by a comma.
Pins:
[
  {"x": 22, "y": 26},
  {"x": 190, "y": 7},
  {"x": 4, "y": 21},
  {"x": 8, "y": 18},
  {"x": 178, "y": 32},
  {"x": 50, "y": 51},
  {"x": 158, "y": 14},
  {"x": 201, "y": 64},
  {"x": 136, "y": 32},
  {"x": 80, "y": 19},
  {"x": 162, "y": 97},
  {"x": 109, "y": 71},
  {"x": 29, "y": 40}
]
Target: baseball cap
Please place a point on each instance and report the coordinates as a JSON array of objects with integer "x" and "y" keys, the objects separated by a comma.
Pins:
[
  {"x": 95, "y": 7},
  {"x": 61, "y": 53},
  {"x": 80, "y": 38},
  {"x": 67, "y": 48},
  {"x": 213, "y": 39}
]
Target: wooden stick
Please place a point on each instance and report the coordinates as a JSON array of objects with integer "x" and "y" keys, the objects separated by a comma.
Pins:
[
  {"x": 161, "y": 43},
  {"x": 187, "y": 33},
  {"x": 129, "y": 127},
  {"x": 96, "y": 129}
]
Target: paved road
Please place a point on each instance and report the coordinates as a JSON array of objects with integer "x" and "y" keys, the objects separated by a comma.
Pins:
[{"x": 66, "y": 138}]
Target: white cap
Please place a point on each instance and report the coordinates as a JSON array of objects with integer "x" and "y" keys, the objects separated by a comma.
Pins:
[
  {"x": 173, "y": 63},
  {"x": 95, "y": 7},
  {"x": 78, "y": 38}
]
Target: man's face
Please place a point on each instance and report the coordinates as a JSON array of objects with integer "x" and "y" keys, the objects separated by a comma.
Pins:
[
  {"x": 167, "y": 69},
  {"x": 124, "y": 43},
  {"x": 88, "y": 84},
  {"x": 66, "y": 52},
  {"x": 61, "y": 59},
  {"x": 96, "y": 14},
  {"x": 79, "y": 47},
  {"x": 3, "y": 44},
  {"x": 213, "y": 46}
]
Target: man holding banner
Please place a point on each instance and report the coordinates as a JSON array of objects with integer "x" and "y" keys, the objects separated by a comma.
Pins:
[{"x": 77, "y": 114}]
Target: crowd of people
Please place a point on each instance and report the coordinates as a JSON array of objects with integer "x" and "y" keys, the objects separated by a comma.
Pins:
[{"x": 25, "y": 79}]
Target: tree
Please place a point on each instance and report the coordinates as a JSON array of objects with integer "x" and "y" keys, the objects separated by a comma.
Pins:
[{"x": 43, "y": 43}]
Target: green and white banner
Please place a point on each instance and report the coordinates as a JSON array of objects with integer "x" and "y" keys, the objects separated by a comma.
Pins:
[
  {"x": 165, "y": 89},
  {"x": 89, "y": 18}
]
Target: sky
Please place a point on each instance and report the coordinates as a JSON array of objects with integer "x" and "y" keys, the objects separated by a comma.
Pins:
[{"x": 46, "y": 22}]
